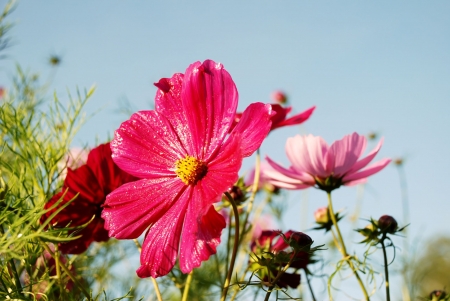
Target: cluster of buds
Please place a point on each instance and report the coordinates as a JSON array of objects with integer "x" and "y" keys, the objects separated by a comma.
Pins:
[
  {"x": 323, "y": 219},
  {"x": 273, "y": 251},
  {"x": 377, "y": 230}
]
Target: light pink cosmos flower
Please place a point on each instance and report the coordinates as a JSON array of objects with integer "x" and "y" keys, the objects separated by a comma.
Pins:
[
  {"x": 186, "y": 158},
  {"x": 314, "y": 163}
]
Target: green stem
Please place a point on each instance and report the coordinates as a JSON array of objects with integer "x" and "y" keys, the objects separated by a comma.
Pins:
[
  {"x": 280, "y": 273},
  {"x": 66, "y": 270},
  {"x": 155, "y": 284},
  {"x": 253, "y": 195},
  {"x": 386, "y": 271},
  {"x": 235, "y": 247},
  {"x": 309, "y": 286},
  {"x": 14, "y": 270},
  {"x": 186, "y": 287},
  {"x": 343, "y": 249}
]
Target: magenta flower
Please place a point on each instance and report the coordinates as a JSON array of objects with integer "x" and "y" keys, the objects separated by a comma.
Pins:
[
  {"x": 186, "y": 159},
  {"x": 279, "y": 118},
  {"x": 315, "y": 164}
]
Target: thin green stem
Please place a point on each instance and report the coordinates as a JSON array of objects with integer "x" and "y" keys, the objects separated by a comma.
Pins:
[
  {"x": 309, "y": 286},
  {"x": 187, "y": 286},
  {"x": 253, "y": 195},
  {"x": 343, "y": 249},
  {"x": 67, "y": 271},
  {"x": 155, "y": 284},
  {"x": 14, "y": 270},
  {"x": 235, "y": 247},
  {"x": 386, "y": 271},
  {"x": 279, "y": 274},
  {"x": 58, "y": 271}
]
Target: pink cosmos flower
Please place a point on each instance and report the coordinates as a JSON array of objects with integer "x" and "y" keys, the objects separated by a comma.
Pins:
[
  {"x": 264, "y": 180},
  {"x": 279, "y": 118},
  {"x": 186, "y": 158},
  {"x": 315, "y": 164}
]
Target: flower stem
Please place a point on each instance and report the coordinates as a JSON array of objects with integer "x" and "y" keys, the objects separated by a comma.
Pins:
[
  {"x": 155, "y": 284},
  {"x": 343, "y": 249},
  {"x": 66, "y": 270},
  {"x": 187, "y": 285},
  {"x": 235, "y": 247},
  {"x": 386, "y": 271},
  {"x": 309, "y": 286},
  {"x": 280, "y": 273}
]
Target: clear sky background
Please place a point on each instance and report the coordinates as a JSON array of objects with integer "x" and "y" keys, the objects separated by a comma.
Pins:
[{"x": 368, "y": 66}]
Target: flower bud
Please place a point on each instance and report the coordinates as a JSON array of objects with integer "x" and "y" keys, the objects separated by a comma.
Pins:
[
  {"x": 322, "y": 215},
  {"x": 237, "y": 194},
  {"x": 279, "y": 97},
  {"x": 387, "y": 224},
  {"x": 438, "y": 295},
  {"x": 300, "y": 241}
]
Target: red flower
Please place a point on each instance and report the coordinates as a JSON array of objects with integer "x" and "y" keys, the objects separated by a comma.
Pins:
[
  {"x": 282, "y": 253},
  {"x": 93, "y": 181},
  {"x": 279, "y": 118}
]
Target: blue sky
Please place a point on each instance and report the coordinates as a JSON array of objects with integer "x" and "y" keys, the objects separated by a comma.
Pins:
[{"x": 379, "y": 66}]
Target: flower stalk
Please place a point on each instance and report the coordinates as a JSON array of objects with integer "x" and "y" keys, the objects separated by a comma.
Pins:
[
  {"x": 343, "y": 249},
  {"x": 386, "y": 270},
  {"x": 235, "y": 247}
]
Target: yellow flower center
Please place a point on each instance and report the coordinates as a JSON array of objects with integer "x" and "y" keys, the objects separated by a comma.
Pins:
[{"x": 190, "y": 170}]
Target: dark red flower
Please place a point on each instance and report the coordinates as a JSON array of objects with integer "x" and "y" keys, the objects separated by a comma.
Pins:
[
  {"x": 282, "y": 252},
  {"x": 93, "y": 181}
]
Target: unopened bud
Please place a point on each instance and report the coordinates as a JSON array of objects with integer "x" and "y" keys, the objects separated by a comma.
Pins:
[
  {"x": 372, "y": 135},
  {"x": 398, "y": 161},
  {"x": 322, "y": 215},
  {"x": 237, "y": 194},
  {"x": 437, "y": 295},
  {"x": 387, "y": 224},
  {"x": 279, "y": 97},
  {"x": 300, "y": 241}
]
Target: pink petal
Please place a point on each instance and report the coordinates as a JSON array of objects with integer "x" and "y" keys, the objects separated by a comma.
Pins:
[
  {"x": 372, "y": 169},
  {"x": 209, "y": 98},
  {"x": 160, "y": 248},
  {"x": 133, "y": 207},
  {"x": 346, "y": 152},
  {"x": 222, "y": 171},
  {"x": 363, "y": 162},
  {"x": 307, "y": 154},
  {"x": 279, "y": 116},
  {"x": 146, "y": 145},
  {"x": 253, "y": 127},
  {"x": 168, "y": 103},
  {"x": 296, "y": 119},
  {"x": 201, "y": 235},
  {"x": 356, "y": 182},
  {"x": 302, "y": 177}
]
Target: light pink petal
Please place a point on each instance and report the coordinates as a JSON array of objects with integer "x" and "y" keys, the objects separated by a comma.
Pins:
[
  {"x": 133, "y": 207},
  {"x": 356, "y": 182},
  {"x": 146, "y": 145},
  {"x": 168, "y": 103},
  {"x": 286, "y": 185},
  {"x": 201, "y": 234},
  {"x": 372, "y": 169},
  {"x": 346, "y": 152},
  {"x": 160, "y": 248},
  {"x": 210, "y": 99},
  {"x": 296, "y": 119},
  {"x": 291, "y": 173},
  {"x": 307, "y": 155},
  {"x": 253, "y": 127},
  {"x": 365, "y": 161}
]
